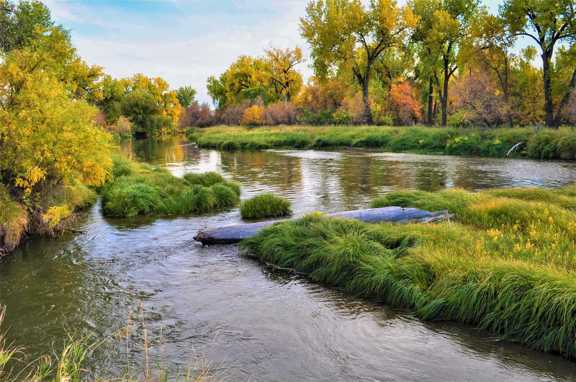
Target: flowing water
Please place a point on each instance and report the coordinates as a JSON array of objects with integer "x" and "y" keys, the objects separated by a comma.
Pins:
[{"x": 119, "y": 279}]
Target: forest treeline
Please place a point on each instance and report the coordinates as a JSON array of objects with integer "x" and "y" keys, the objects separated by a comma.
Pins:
[{"x": 438, "y": 62}]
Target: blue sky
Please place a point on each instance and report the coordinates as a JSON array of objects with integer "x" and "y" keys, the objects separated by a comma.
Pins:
[{"x": 183, "y": 41}]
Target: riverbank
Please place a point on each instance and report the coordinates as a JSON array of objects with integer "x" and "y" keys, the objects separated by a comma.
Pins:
[
  {"x": 532, "y": 143},
  {"x": 505, "y": 264},
  {"x": 51, "y": 214},
  {"x": 133, "y": 189}
]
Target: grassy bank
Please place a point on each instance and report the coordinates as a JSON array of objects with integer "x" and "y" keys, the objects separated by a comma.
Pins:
[
  {"x": 51, "y": 213},
  {"x": 141, "y": 189},
  {"x": 537, "y": 144},
  {"x": 505, "y": 264}
]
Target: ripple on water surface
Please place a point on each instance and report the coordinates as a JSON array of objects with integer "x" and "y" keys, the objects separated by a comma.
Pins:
[{"x": 251, "y": 323}]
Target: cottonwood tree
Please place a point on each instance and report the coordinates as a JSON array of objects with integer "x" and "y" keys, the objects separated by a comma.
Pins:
[
  {"x": 547, "y": 23},
  {"x": 286, "y": 81},
  {"x": 444, "y": 26},
  {"x": 268, "y": 79},
  {"x": 346, "y": 35}
]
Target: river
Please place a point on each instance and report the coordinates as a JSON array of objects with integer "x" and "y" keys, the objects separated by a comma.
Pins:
[{"x": 120, "y": 279}]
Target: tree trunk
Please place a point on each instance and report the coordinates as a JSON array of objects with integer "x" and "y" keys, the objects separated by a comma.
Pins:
[
  {"x": 430, "y": 112},
  {"x": 367, "y": 117},
  {"x": 444, "y": 98},
  {"x": 565, "y": 99},
  {"x": 548, "y": 101},
  {"x": 236, "y": 233}
]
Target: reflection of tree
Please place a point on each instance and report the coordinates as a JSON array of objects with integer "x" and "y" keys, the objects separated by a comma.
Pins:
[
  {"x": 267, "y": 168},
  {"x": 368, "y": 176},
  {"x": 470, "y": 176},
  {"x": 430, "y": 176},
  {"x": 159, "y": 152}
]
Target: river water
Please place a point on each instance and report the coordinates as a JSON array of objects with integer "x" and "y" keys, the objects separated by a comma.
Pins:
[{"x": 136, "y": 282}]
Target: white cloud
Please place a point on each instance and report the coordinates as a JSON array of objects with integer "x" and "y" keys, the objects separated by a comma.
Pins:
[{"x": 185, "y": 48}]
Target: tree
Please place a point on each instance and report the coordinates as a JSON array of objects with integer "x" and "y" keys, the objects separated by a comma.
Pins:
[
  {"x": 186, "y": 95},
  {"x": 444, "y": 26},
  {"x": 47, "y": 138},
  {"x": 547, "y": 23},
  {"x": 346, "y": 35},
  {"x": 286, "y": 81},
  {"x": 266, "y": 79},
  {"x": 490, "y": 48},
  {"x": 22, "y": 23},
  {"x": 153, "y": 109},
  {"x": 244, "y": 80}
]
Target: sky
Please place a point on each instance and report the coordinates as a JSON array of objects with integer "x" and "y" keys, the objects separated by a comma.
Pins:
[{"x": 182, "y": 41}]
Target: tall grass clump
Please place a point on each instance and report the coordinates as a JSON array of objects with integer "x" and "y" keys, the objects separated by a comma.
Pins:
[
  {"x": 505, "y": 264},
  {"x": 265, "y": 206},
  {"x": 530, "y": 142},
  {"x": 143, "y": 190}
]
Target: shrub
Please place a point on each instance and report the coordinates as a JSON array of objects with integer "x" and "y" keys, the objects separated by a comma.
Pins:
[
  {"x": 253, "y": 116},
  {"x": 405, "y": 105},
  {"x": 280, "y": 113},
  {"x": 197, "y": 115},
  {"x": 265, "y": 206}
]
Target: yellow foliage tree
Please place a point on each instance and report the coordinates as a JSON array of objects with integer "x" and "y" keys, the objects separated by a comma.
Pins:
[{"x": 47, "y": 137}]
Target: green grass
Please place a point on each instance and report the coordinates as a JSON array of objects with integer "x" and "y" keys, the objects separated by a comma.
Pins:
[
  {"x": 143, "y": 190},
  {"x": 265, "y": 206},
  {"x": 537, "y": 144},
  {"x": 505, "y": 264}
]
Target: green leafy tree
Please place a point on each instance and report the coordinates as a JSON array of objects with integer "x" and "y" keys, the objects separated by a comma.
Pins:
[
  {"x": 443, "y": 28},
  {"x": 22, "y": 23},
  {"x": 268, "y": 79},
  {"x": 186, "y": 96},
  {"x": 345, "y": 35},
  {"x": 547, "y": 23}
]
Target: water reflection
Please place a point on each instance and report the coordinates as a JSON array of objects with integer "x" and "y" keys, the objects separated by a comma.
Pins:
[{"x": 253, "y": 323}]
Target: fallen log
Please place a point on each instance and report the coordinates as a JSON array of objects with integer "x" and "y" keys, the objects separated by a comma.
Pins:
[{"x": 236, "y": 233}]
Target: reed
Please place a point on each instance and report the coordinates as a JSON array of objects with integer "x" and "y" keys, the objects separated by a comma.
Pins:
[{"x": 505, "y": 264}]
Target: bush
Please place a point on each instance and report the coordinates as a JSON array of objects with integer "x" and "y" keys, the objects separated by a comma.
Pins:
[
  {"x": 151, "y": 191},
  {"x": 280, "y": 113},
  {"x": 253, "y": 116},
  {"x": 265, "y": 206}
]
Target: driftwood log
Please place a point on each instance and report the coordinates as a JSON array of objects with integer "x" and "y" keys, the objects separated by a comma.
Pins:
[{"x": 236, "y": 233}]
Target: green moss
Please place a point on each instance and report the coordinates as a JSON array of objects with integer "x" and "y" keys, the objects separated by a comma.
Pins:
[
  {"x": 505, "y": 264},
  {"x": 151, "y": 191},
  {"x": 265, "y": 206}
]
